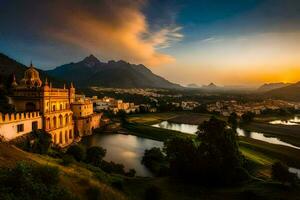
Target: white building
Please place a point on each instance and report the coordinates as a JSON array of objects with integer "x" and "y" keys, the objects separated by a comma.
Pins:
[{"x": 13, "y": 125}]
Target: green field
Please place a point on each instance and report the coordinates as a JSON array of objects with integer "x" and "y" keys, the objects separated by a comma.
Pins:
[
  {"x": 176, "y": 117},
  {"x": 150, "y": 132}
]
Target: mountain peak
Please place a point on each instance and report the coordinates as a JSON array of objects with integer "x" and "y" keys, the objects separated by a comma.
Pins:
[{"x": 90, "y": 61}]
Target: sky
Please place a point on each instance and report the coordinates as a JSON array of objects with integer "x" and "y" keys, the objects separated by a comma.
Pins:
[{"x": 228, "y": 42}]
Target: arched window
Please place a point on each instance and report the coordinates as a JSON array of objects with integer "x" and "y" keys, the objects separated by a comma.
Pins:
[
  {"x": 67, "y": 119},
  {"x": 53, "y": 108},
  {"x": 48, "y": 123},
  {"x": 61, "y": 120},
  {"x": 70, "y": 134},
  {"x": 60, "y": 138},
  {"x": 61, "y": 107},
  {"x": 66, "y": 136},
  {"x": 54, "y": 122},
  {"x": 55, "y": 138}
]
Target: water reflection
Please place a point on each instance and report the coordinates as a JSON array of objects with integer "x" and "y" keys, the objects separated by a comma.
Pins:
[
  {"x": 295, "y": 171},
  {"x": 184, "y": 128},
  {"x": 125, "y": 149},
  {"x": 260, "y": 136},
  {"x": 289, "y": 122},
  {"x": 192, "y": 129}
]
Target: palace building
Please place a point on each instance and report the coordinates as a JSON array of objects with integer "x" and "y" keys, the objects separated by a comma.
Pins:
[
  {"x": 38, "y": 105},
  {"x": 51, "y": 105}
]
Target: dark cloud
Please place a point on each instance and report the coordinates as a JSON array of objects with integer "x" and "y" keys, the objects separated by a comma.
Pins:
[{"x": 112, "y": 29}]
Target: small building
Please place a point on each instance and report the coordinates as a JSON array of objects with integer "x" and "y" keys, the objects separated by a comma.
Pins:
[
  {"x": 84, "y": 117},
  {"x": 13, "y": 125}
]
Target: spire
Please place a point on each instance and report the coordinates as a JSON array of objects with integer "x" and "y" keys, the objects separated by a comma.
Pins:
[
  {"x": 64, "y": 86},
  {"x": 31, "y": 65},
  {"x": 14, "y": 82},
  {"x": 71, "y": 85},
  {"x": 50, "y": 85},
  {"x": 46, "y": 81}
]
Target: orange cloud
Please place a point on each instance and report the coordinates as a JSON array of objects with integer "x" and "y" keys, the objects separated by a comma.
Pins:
[{"x": 121, "y": 34}]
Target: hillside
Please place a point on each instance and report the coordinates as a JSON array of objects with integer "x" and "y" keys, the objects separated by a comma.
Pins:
[
  {"x": 9, "y": 66},
  {"x": 92, "y": 72},
  {"x": 272, "y": 86},
  {"x": 291, "y": 92},
  {"x": 76, "y": 178}
]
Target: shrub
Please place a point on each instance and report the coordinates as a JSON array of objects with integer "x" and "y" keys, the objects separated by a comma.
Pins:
[
  {"x": 153, "y": 193},
  {"x": 93, "y": 193},
  {"x": 94, "y": 155},
  {"x": 27, "y": 182},
  {"x": 41, "y": 142},
  {"x": 130, "y": 173},
  {"x": 76, "y": 151},
  {"x": 280, "y": 172},
  {"x": 154, "y": 160},
  {"x": 117, "y": 183},
  {"x": 111, "y": 167},
  {"x": 67, "y": 159}
]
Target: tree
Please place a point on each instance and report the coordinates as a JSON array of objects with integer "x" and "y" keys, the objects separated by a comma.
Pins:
[
  {"x": 123, "y": 116},
  {"x": 76, "y": 151},
  {"x": 94, "y": 155},
  {"x": 40, "y": 141},
  {"x": 232, "y": 121},
  {"x": 154, "y": 160},
  {"x": 213, "y": 158},
  {"x": 280, "y": 172},
  {"x": 248, "y": 117}
]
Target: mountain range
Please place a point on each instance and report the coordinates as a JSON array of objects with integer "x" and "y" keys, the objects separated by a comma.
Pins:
[
  {"x": 272, "y": 86},
  {"x": 290, "y": 92},
  {"x": 91, "y": 72},
  {"x": 9, "y": 66},
  {"x": 116, "y": 74}
]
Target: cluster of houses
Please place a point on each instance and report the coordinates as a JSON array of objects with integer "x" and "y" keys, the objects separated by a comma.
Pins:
[
  {"x": 225, "y": 108},
  {"x": 186, "y": 105},
  {"x": 113, "y": 105}
]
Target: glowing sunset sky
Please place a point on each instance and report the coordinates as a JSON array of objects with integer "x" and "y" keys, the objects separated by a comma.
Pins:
[{"x": 229, "y": 42}]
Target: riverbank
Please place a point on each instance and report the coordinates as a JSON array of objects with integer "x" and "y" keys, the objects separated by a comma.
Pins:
[
  {"x": 255, "y": 150},
  {"x": 289, "y": 134},
  {"x": 175, "y": 117},
  {"x": 154, "y": 133}
]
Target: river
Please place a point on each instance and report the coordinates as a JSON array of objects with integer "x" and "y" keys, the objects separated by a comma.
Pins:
[
  {"x": 124, "y": 149},
  {"x": 129, "y": 150},
  {"x": 192, "y": 129},
  {"x": 289, "y": 122}
]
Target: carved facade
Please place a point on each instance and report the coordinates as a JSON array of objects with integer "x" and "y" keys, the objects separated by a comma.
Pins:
[{"x": 53, "y": 104}]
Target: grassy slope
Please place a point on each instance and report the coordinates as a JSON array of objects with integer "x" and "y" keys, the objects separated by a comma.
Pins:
[
  {"x": 176, "y": 190},
  {"x": 76, "y": 177}
]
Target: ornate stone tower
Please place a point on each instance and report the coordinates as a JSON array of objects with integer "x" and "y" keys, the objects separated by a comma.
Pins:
[{"x": 72, "y": 93}]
